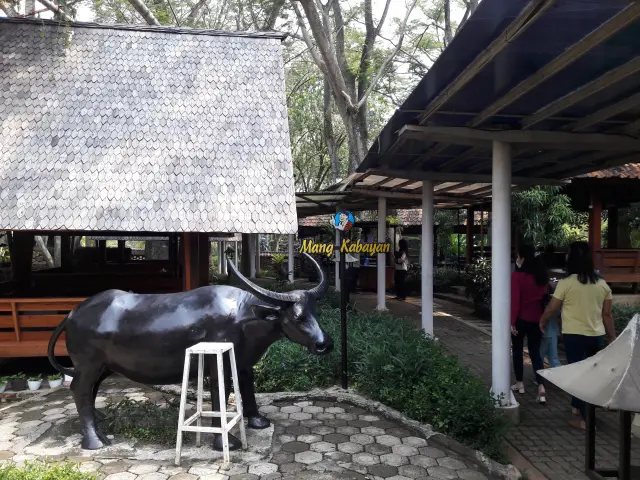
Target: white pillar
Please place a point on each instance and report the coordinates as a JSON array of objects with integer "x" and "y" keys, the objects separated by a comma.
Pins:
[
  {"x": 252, "y": 255},
  {"x": 235, "y": 248},
  {"x": 426, "y": 254},
  {"x": 337, "y": 258},
  {"x": 501, "y": 272},
  {"x": 257, "y": 250},
  {"x": 219, "y": 256},
  {"x": 290, "y": 259},
  {"x": 382, "y": 257},
  {"x": 223, "y": 257}
]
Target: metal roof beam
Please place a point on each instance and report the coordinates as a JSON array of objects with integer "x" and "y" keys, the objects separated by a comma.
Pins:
[
  {"x": 604, "y": 114},
  {"x": 585, "y": 91},
  {"x": 462, "y": 177},
  {"x": 586, "y": 160},
  {"x": 524, "y": 20},
  {"x": 413, "y": 196},
  {"x": 622, "y": 20},
  {"x": 449, "y": 165},
  {"x": 540, "y": 139}
]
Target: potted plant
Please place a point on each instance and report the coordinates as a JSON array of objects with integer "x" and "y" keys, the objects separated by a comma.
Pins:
[
  {"x": 34, "y": 382},
  {"x": 18, "y": 382},
  {"x": 3, "y": 383},
  {"x": 54, "y": 380}
]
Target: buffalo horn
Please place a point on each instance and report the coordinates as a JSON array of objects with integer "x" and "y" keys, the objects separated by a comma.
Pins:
[
  {"x": 320, "y": 289},
  {"x": 262, "y": 293}
]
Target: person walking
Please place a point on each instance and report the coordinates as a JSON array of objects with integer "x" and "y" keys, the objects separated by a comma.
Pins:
[
  {"x": 529, "y": 283},
  {"x": 585, "y": 302},
  {"x": 401, "y": 269},
  {"x": 549, "y": 343}
]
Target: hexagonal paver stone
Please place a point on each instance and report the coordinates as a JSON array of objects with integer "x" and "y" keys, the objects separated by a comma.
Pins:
[
  {"x": 361, "y": 439},
  {"x": 268, "y": 409},
  {"x": 369, "y": 418},
  {"x": 423, "y": 461},
  {"x": 153, "y": 476},
  {"x": 263, "y": 468},
  {"x": 377, "y": 449},
  {"x": 388, "y": 440},
  {"x": 375, "y": 431},
  {"x": 244, "y": 476},
  {"x": 282, "y": 457},
  {"x": 203, "y": 470},
  {"x": 384, "y": 471},
  {"x": 349, "y": 447},
  {"x": 323, "y": 430},
  {"x": 309, "y": 438},
  {"x": 295, "y": 447},
  {"x": 120, "y": 476},
  {"x": 414, "y": 441},
  {"x": 336, "y": 438},
  {"x": 84, "y": 467},
  {"x": 412, "y": 471},
  {"x": 431, "y": 452},
  {"x": 451, "y": 463},
  {"x": 441, "y": 472},
  {"x": 347, "y": 430},
  {"x": 406, "y": 450},
  {"x": 183, "y": 476},
  {"x": 323, "y": 447},
  {"x": 400, "y": 477},
  {"x": 467, "y": 474},
  {"x": 290, "y": 409},
  {"x": 346, "y": 416},
  {"x": 302, "y": 403},
  {"x": 300, "y": 416},
  {"x": 291, "y": 468},
  {"x": 115, "y": 467},
  {"x": 358, "y": 423},
  {"x": 308, "y": 457},
  {"x": 312, "y": 409},
  {"x": 334, "y": 410},
  {"x": 338, "y": 457},
  {"x": 297, "y": 430},
  {"x": 365, "y": 459},
  {"x": 143, "y": 468},
  {"x": 394, "y": 459}
]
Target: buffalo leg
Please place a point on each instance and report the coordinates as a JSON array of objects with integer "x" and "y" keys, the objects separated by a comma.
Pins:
[
  {"x": 234, "y": 442},
  {"x": 99, "y": 415},
  {"x": 249, "y": 404},
  {"x": 82, "y": 388}
]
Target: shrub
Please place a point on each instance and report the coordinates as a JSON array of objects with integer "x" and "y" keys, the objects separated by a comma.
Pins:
[
  {"x": 391, "y": 362},
  {"x": 43, "y": 471},
  {"x": 622, "y": 315},
  {"x": 443, "y": 279},
  {"x": 477, "y": 283}
]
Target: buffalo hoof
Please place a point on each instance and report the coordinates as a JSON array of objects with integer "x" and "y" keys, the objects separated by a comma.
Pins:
[
  {"x": 258, "y": 422},
  {"x": 104, "y": 439},
  {"x": 234, "y": 443},
  {"x": 92, "y": 443}
]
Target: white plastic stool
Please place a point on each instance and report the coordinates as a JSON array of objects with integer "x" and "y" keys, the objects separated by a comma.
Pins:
[{"x": 218, "y": 349}]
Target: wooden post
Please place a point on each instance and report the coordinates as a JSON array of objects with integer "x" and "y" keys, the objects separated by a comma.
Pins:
[
  {"x": 173, "y": 254},
  {"x": 482, "y": 232},
  {"x": 121, "y": 251},
  {"x": 204, "y": 253},
  {"x": 612, "y": 228},
  {"x": 22, "y": 258},
  {"x": 595, "y": 224},
  {"x": 186, "y": 262},
  {"x": 469, "y": 235},
  {"x": 66, "y": 253},
  {"x": 102, "y": 252}
]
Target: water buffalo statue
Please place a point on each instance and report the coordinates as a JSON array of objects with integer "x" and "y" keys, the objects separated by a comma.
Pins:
[{"x": 144, "y": 337}]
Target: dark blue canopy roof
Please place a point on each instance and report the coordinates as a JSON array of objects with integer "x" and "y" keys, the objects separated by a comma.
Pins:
[{"x": 549, "y": 33}]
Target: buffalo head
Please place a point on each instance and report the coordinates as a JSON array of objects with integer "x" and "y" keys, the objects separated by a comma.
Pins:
[{"x": 295, "y": 310}]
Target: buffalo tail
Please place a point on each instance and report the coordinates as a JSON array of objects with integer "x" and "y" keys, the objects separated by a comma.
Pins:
[{"x": 52, "y": 346}]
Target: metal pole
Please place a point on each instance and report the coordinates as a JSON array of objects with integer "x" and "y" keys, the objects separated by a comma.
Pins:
[
  {"x": 337, "y": 258},
  {"x": 427, "y": 257},
  {"x": 343, "y": 314},
  {"x": 235, "y": 247},
  {"x": 382, "y": 257},
  {"x": 290, "y": 259},
  {"x": 501, "y": 272},
  {"x": 252, "y": 255}
]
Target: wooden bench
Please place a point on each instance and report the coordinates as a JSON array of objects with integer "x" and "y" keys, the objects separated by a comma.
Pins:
[
  {"x": 26, "y": 325},
  {"x": 618, "y": 266}
]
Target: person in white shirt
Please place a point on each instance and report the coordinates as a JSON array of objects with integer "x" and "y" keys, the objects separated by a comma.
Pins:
[{"x": 401, "y": 268}]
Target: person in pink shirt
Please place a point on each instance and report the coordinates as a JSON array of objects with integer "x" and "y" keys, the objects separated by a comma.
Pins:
[{"x": 529, "y": 284}]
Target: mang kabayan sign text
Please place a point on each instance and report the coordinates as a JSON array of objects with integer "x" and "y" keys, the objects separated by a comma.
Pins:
[{"x": 310, "y": 247}]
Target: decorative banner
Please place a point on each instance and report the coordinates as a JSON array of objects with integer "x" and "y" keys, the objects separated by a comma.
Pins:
[{"x": 343, "y": 221}]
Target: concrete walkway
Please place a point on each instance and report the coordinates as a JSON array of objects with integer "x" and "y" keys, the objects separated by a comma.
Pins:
[{"x": 543, "y": 437}]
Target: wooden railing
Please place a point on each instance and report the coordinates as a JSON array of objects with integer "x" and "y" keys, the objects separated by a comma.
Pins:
[
  {"x": 618, "y": 266},
  {"x": 26, "y": 325}
]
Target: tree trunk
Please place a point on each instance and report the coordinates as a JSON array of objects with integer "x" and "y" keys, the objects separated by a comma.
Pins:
[
  {"x": 357, "y": 150},
  {"x": 41, "y": 245},
  {"x": 29, "y": 6},
  {"x": 57, "y": 251},
  {"x": 448, "y": 32},
  {"x": 328, "y": 132}
]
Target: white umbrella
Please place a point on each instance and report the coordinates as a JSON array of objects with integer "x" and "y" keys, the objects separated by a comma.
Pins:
[{"x": 610, "y": 379}]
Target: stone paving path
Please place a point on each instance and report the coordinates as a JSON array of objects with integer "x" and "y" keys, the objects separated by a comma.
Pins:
[
  {"x": 317, "y": 440},
  {"x": 543, "y": 436}
]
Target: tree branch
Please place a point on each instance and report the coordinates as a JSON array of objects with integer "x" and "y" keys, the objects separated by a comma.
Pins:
[
  {"x": 307, "y": 38},
  {"x": 195, "y": 11},
  {"x": 142, "y": 9},
  {"x": 382, "y": 19},
  {"x": 8, "y": 9},
  {"x": 54, "y": 8},
  {"x": 389, "y": 59}
]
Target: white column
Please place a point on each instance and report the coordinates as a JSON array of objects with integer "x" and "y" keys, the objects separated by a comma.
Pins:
[
  {"x": 290, "y": 259},
  {"x": 337, "y": 258},
  {"x": 501, "y": 272},
  {"x": 426, "y": 254},
  {"x": 219, "y": 256},
  {"x": 382, "y": 257},
  {"x": 223, "y": 258},
  {"x": 252, "y": 255},
  {"x": 235, "y": 251},
  {"x": 257, "y": 250}
]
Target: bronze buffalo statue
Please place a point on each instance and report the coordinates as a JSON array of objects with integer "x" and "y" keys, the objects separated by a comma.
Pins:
[{"x": 144, "y": 337}]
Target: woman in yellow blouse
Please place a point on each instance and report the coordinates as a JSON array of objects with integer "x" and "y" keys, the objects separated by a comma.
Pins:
[{"x": 585, "y": 302}]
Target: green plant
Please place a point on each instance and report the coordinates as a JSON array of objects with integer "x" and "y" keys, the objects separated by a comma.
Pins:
[
  {"x": 43, "y": 471},
  {"x": 143, "y": 421},
  {"x": 622, "y": 315},
  {"x": 4, "y": 380},
  {"x": 391, "y": 362},
  {"x": 280, "y": 265},
  {"x": 477, "y": 284},
  {"x": 34, "y": 378},
  {"x": 18, "y": 376},
  {"x": 5, "y": 256},
  {"x": 55, "y": 376}
]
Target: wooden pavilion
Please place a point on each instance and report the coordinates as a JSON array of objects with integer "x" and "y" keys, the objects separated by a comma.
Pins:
[{"x": 167, "y": 134}]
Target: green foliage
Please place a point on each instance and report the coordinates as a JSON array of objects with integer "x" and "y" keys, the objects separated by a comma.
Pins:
[
  {"x": 4, "y": 380},
  {"x": 5, "y": 257},
  {"x": 142, "y": 421},
  {"x": 540, "y": 214},
  {"x": 622, "y": 315},
  {"x": 443, "y": 279},
  {"x": 34, "y": 378},
  {"x": 391, "y": 362},
  {"x": 477, "y": 283},
  {"x": 42, "y": 471},
  {"x": 18, "y": 376},
  {"x": 55, "y": 376}
]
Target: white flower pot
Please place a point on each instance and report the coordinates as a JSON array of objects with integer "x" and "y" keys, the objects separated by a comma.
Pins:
[
  {"x": 55, "y": 383},
  {"x": 3, "y": 386},
  {"x": 34, "y": 385},
  {"x": 68, "y": 379}
]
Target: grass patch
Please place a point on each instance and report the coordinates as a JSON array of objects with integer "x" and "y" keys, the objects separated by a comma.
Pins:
[
  {"x": 622, "y": 315},
  {"x": 43, "y": 471}
]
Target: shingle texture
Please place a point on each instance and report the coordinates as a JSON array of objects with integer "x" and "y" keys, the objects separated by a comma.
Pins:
[
  {"x": 142, "y": 130},
  {"x": 631, "y": 170}
]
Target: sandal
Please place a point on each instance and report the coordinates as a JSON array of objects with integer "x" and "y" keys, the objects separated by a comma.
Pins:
[
  {"x": 517, "y": 388},
  {"x": 578, "y": 423},
  {"x": 541, "y": 399}
]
